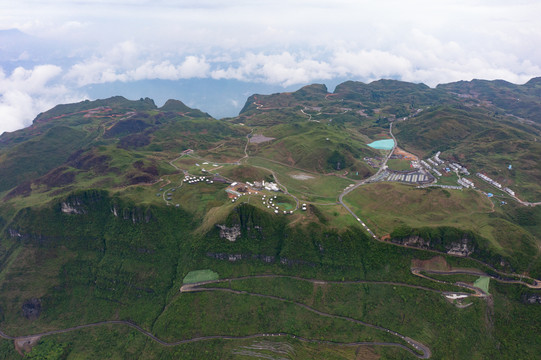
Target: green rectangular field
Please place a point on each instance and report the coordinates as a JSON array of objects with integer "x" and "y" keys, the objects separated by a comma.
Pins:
[
  {"x": 482, "y": 283},
  {"x": 196, "y": 276}
]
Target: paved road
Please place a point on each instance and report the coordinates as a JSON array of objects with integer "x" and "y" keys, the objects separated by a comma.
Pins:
[
  {"x": 196, "y": 339},
  {"x": 536, "y": 283},
  {"x": 284, "y": 188},
  {"x": 370, "y": 179}
]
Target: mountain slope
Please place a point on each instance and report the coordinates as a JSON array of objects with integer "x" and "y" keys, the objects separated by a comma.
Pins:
[
  {"x": 109, "y": 207},
  {"x": 520, "y": 100}
]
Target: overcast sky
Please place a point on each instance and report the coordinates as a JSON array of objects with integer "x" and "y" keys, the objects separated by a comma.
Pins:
[{"x": 64, "y": 45}]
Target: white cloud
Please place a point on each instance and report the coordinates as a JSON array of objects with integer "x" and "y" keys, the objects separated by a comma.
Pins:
[
  {"x": 285, "y": 69},
  {"x": 25, "y": 93},
  {"x": 191, "y": 67},
  {"x": 127, "y": 63},
  {"x": 372, "y": 64},
  {"x": 276, "y": 42}
]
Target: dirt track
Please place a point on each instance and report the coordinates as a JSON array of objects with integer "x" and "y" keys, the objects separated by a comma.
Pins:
[{"x": 415, "y": 348}]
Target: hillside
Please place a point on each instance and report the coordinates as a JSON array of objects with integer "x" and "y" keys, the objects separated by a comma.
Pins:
[
  {"x": 129, "y": 230},
  {"x": 113, "y": 142},
  {"x": 489, "y": 144},
  {"x": 503, "y": 97}
]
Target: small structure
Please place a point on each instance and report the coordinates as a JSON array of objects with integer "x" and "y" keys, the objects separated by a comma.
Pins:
[
  {"x": 233, "y": 192},
  {"x": 509, "y": 191},
  {"x": 456, "y": 296},
  {"x": 270, "y": 186}
]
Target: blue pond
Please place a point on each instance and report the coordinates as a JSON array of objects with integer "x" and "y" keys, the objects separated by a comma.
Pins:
[{"x": 387, "y": 144}]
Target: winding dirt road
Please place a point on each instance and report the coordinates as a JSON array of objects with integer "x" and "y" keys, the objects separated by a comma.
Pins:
[{"x": 416, "y": 348}]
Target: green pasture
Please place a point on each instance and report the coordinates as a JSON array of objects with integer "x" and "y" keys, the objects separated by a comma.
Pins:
[
  {"x": 482, "y": 283},
  {"x": 399, "y": 164},
  {"x": 384, "y": 206},
  {"x": 196, "y": 276},
  {"x": 320, "y": 188}
]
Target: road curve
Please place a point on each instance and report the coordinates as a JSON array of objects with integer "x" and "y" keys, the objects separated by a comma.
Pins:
[
  {"x": 187, "y": 287},
  {"x": 421, "y": 351},
  {"x": 416, "y": 348},
  {"x": 360, "y": 183},
  {"x": 204, "y": 338}
]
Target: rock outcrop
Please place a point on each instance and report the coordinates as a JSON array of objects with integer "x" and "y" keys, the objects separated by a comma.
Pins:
[
  {"x": 14, "y": 233},
  {"x": 531, "y": 299},
  {"x": 463, "y": 248},
  {"x": 72, "y": 207},
  {"x": 136, "y": 214},
  {"x": 413, "y": 241},
  {"x": 229, "y": 233}
]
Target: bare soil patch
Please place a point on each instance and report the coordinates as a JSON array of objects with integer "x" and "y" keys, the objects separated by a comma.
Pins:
[
  {"x": 301, "y": 176},
  {"x": 258, "y": 138},
  {"x": 24, "y": 345},
  {"x": 405, "y": 155},
  {"x": 436, "y": 263},
  {"x": 366, "y": 353}
]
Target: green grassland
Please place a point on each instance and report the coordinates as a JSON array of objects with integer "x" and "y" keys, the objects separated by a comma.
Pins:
[
  {"x": 322, "y": 188},
  {"x": 482, "y": 283},
  {"x": 449, "y": 178},
  {"x": 385, "y": 206},
  {"x": 399, "y": 165},
  {"x": 316, "y": 147},
  {"x": 245, "y": 173},
  {"x": 195, "y": 276}
]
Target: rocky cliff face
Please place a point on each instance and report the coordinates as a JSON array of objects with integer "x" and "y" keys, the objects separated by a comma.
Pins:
[
  {"x": 14, "y": 233},
  {"x": 464, "y": 247},
  {"x": 229, "y": 233},
  {"x": 461, "y": 248},
  {"x": 136, "y": 214},
  {"x": 531, "y": 299},
  {"x": 413, "y": 241},
  {"x": 72, "y": 207}
]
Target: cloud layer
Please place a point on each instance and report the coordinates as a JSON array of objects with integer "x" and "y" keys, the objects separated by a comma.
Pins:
[
  {"x": 25, "y": 93},
  {"x": 79, "y": 43}
]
